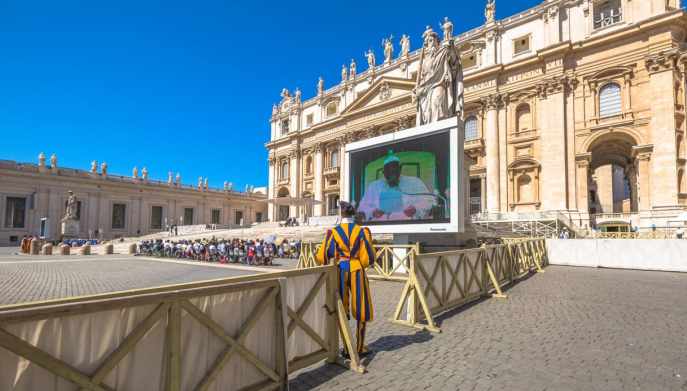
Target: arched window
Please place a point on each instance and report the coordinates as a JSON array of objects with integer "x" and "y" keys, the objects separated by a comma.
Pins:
[
  {"x": 334, "y": 158},
  {"x": 331, "y": 109},
  {"x": 285, "y": 170},
  {"x": 523, "y": 116},
  {"x": 525, "y": 193},
  {"x": 471, "y": 132},
  {"x": 610, "y": 102}
]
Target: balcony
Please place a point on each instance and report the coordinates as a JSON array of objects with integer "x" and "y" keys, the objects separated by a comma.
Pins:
[
  {"x": 332, "y": 171},
  {"x": 474, "y": 144}
]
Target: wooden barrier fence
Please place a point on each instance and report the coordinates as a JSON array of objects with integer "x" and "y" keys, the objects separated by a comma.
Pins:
[
  {"x": 228, "y": 334},
  {"x": 439, "y": 282},
  {"x": 392, "y": 262}
]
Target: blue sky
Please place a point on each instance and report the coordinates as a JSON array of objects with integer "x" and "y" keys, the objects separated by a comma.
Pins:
[{"x": 185, "y": 86}]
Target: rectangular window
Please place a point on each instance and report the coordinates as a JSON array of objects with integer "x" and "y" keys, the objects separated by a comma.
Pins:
[
  {"x": 188, "y": 216},
  {"x": 238, "y": 217},
  {"x": 607, "y": 13},
  {"x": 118, "y": 216},
  {"x": 215, "y": 216},
  {"x": 309, "y": 119},
  {"x": 156, "y": 217},
  {"x": 15, "y": 212},
  {"x": 285, "y": 126},
  {"x": 521, "y": 45}
]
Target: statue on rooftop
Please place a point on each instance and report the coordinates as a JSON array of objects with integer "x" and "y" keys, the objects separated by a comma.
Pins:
[
  {"x": 405, "y": 45},
  {"x": 388, "y": 46},
  {"x": 352, "y": 68},
  {"x": 344, "y": 73},
  {"x": 447, "y": 28},
  {"x": 490, "y": 11},
  {"x": 370, "y": 55},
  {"x": 320, "y": 86}
]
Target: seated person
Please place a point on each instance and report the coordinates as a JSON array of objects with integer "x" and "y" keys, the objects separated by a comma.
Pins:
[{"x": 396, "y": 197}]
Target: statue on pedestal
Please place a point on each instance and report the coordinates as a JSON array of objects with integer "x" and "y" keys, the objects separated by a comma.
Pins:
[
  {"x": 103, "y": 168},
  {"x": 53, "y": 161},
  {"x": 70, "y": 221},
  {"x": 388, "y": 46},
  {"x": 320, "y": 86},
  {"x": 371, "y": 62},
  {"x": 134, "y": 172},
  {"x": 447, "y": 28},
  {"x": 344, "y": 73},
  {"x": 439, "y": 90},
  {"x": 490, "y": 11},
  {"x": 94, "y": 167},
  {"x": 352, "y": 68},
  {"x": 405, "y": 45},
  {"x": 41, "y": 159}
]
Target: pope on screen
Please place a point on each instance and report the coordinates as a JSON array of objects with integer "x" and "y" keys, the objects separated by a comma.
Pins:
[{"x": 396, "y": 197}]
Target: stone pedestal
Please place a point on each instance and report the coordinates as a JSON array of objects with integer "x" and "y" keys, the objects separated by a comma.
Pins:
[
  {"x": 108, "y": 249},
  {"x": 70, "y": 229},
  {"x": 85, "y": 250},
  {"x": 47, "y": 249},
  {"x": 35, "y": 248},
  {"x": 133, "y": 248},
  {"x": 64, "y": 249}
]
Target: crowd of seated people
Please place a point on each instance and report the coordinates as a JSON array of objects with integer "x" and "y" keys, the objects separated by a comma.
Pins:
[
  {"x": 249, "y": 252},
  {"x": 290, "y": 222}
]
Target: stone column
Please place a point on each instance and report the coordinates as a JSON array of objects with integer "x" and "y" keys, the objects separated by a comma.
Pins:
[
  {"x": 663, "y": 160},
  {"x": 483, "y": 193},
  {"x": 271, "y": 188},
  {"x": 583, "y": 160},
  {"x": 318, "y": 172},
  {"x": 643, "y": 159},
  {"x": 492, "y": 147},
  {"x": 293, "y": 166},
  {"x": 551, "y": 129},
  {"x": 631, "y": 174},
  {"x": 343, "y": 183}
]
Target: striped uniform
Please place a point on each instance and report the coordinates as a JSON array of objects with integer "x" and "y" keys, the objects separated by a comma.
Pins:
[{"x": 350, "y": 246}]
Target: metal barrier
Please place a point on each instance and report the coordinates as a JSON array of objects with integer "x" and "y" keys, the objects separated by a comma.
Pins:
[
  {"x": 442, "y": 281},
  {"x": 227, "y": 334}
]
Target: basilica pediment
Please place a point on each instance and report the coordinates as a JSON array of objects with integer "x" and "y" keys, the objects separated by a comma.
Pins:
[{"x": 383, "y": 90}]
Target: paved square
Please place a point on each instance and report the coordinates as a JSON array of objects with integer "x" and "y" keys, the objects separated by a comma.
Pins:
[
  {"x": 567, "y": 329},
  {"x": 24, "y": 279}
]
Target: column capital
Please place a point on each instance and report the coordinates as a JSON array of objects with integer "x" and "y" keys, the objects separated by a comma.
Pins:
[
  {"x": 583, "y": 159},
  {"x": 642, "y": 152},
  {"x": 491, "y": 102},
  {"x": 663, "y": 61}
]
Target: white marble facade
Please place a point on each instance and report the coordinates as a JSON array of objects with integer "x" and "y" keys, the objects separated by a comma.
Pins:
[
  {"x": 112, "y": 206},
  {"x": 552, "y": 95}
]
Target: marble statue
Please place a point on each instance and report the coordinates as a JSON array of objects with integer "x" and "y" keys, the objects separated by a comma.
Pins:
[
  {"x": 490, "y": 11},
  {"x": 94, "y": 167},
  {"x": 320, "y": 86},
  {"x": 178, "y": 179},
  {"x": 352, "y": 68},
  {"x": 447, "y": 27},
  {"x": 144, "y": 172},
  {"x": 370, "y": 55},
  {"x": 285, "y": 94},
  {"x": 72, "y": 207},
  {"x": 439, "y": 91},
  {"x": 200, "y": 183},
  {"x": 298, "y": 96},
  {"x": 388, "y": 46},
  {"x": 134, "y": 172},
  {"x": 169, "y": 178},
  {"x": 103, "y": 168},
  {"x": 275, "y": 109},
  {"x": 206, "y": 183},
  {"x": 226, "y": 186},
  {"x": 344, "y": 73},
  {"x": 405, "y": 45},
  {"x": 53, "y": 161}
]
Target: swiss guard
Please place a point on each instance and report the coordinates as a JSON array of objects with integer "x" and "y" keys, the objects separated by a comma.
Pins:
[{"x": 349, "y": 245}]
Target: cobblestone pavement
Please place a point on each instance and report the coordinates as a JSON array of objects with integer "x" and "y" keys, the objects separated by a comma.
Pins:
[
  {"x": 26, "y": 279},
  {"x": 567, "y": 329}
]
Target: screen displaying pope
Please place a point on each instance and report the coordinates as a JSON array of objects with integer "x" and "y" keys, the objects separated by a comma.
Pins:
[{"x": 397, "y": 197}]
